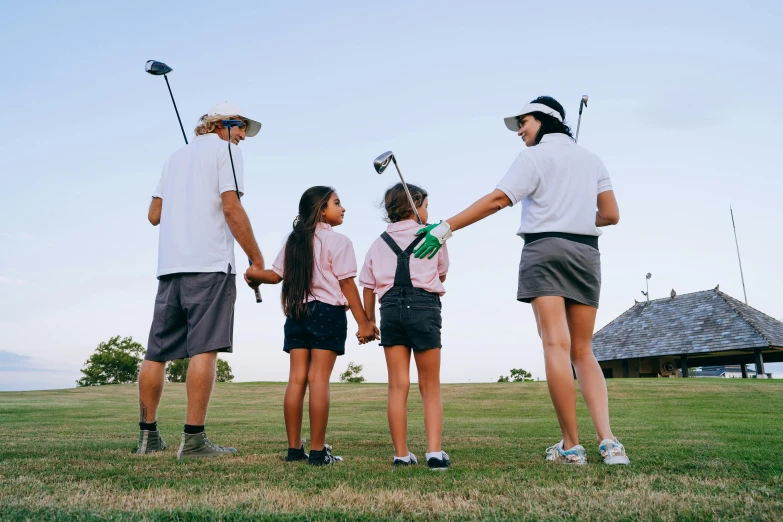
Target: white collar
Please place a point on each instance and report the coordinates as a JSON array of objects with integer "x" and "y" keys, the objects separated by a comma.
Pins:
[{"x": 557, "y": 136}]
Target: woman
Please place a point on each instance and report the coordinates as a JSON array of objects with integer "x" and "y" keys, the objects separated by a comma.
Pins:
[{"x": 560, "y": 185}]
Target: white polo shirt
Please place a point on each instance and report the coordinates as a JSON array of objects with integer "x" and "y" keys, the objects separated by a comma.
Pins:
[
  {"x": 194, "y": 236},
  {"x": 558, "y": 183}
]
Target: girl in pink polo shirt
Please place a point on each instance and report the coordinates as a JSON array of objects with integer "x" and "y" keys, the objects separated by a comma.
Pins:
[
  {"x": 317, "y": 267},
  {"x": 409, "y": 290}
]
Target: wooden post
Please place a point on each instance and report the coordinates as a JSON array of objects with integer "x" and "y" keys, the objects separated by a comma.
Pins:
[
  {"x": 684, "y": 365},
  {"x": 744, "y": 368},
  {"x": 625, "y": 368},
  {"x": 759, "y": 364}
]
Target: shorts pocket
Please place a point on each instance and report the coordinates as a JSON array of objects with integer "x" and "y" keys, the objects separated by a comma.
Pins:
[
  {"x": 425, "y": 318},
  {"x": 206, "y": 280}
]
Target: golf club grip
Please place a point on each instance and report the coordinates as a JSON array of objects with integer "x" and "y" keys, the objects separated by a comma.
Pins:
[{"x": 257, "y": 290}]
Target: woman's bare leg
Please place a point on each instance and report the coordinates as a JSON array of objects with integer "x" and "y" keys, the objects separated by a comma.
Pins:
[
  {"x": 581, "y": 322},
  {"x": 398, "y": 364},
  {"x": 550, "y": 313}
]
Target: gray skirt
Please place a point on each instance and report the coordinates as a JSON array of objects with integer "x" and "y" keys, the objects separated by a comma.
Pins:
[{"x": 559, "y": 267}]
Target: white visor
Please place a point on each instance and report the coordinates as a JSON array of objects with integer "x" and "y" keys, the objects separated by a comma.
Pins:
[
  {"x": 232, "y": 109},
  {"x": 512, "y": 122}
]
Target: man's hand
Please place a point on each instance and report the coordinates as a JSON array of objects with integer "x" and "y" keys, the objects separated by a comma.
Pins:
[{"x": 436, "y": 235}]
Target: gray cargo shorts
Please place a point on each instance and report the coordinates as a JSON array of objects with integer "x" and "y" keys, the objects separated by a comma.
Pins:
[{"x": 194, "y": 313}]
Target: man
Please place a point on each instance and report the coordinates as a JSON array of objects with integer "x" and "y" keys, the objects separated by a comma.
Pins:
[{"x": 198, "y": 209}]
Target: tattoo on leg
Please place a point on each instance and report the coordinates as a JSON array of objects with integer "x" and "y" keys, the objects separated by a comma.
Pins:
[{"x": 142, "y": 412}]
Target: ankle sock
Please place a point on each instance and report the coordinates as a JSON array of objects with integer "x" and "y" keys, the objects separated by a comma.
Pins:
[
  {"x": 192, "y": 430},
  {"x": 407, "y": 458},
  {"x": 435, "y": 455},
  {"x": 148, "y": 426}
]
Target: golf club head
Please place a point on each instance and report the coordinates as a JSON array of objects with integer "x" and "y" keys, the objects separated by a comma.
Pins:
[
  {"x": 382, "y": 161},
  {"x": 157, "y": 68},
  {"x": 232, "y": 123},
  {"x": 584, "y": 99}
]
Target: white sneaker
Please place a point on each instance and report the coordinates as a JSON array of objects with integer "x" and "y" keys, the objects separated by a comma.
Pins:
[
  {"x": 576, "y": 455},
  {"x": 411, "y": 460},
  {"x": 613, "y": 452}
]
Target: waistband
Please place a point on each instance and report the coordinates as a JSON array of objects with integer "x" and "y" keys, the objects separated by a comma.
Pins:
[
  {"x": 396, "y": 292},
  {"x": 591, "y": 241}
]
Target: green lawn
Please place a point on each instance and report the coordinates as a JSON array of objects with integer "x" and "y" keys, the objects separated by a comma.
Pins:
[{"x": 701, "y": 450}]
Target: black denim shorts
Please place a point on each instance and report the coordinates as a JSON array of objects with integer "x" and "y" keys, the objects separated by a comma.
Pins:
[
  {"x": 411, "y": 317},
  {"x": 325, "y": 327}
]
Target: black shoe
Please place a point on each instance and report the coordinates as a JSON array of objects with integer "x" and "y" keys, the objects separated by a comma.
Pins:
[
  {"x": 439, "y": 464},
  {"x": 323, "y": 457},
  {"x": 295, "y": 454},
  {"x": 399, "y": 462}
]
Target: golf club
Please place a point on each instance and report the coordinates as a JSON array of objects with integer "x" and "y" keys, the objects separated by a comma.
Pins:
[
  {"x": 582, "y": 104},
  {"x": 380, "y": 164},
  {"x": 161, "y": 69},
  {"x": 228, "y": 124}
]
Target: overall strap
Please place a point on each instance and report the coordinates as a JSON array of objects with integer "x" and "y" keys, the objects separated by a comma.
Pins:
[
  {"x": 392, "y": 244},
  {"x": 402, "y": 275}
]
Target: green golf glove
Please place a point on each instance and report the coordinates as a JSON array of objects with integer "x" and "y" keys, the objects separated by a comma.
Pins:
[{"x": 437, "y": 234}]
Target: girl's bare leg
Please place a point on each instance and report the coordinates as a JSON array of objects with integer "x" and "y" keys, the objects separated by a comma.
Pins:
[
  {"x": 321, "y": 365},
  {"x": 398, "y": 364},
  {"x": 428, "y": 366},
  {"x": 293, "y": 403}
]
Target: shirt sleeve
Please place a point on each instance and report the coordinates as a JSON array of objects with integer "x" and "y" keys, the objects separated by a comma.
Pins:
[
  {"x": 604, "y": 183},
  {"x": 367, "y": 277},
  {"x": 159, "y": 189},
  {"x": 343, "y": 259},
  {"x": 226, "y": 174},
  {"x": 521, "y": 180},
  {"x": 443, "y": 260},
  {"x": 277, "y": 266}
]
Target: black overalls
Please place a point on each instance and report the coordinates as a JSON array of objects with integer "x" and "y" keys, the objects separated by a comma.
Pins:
[{"x": 409, "y": 316}]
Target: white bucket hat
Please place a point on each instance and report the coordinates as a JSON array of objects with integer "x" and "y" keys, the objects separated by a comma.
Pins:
[
  {"x": 512, "y": 121},
  {"x": 232, "y": 109}
]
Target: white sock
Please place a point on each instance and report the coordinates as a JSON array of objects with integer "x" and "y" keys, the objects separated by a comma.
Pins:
[
  {"x": 435, "y": 455},
  {"x": 407, "y": 458}
]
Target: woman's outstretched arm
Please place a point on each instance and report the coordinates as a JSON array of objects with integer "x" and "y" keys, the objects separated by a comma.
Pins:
[{"x": 484, "y": 207}]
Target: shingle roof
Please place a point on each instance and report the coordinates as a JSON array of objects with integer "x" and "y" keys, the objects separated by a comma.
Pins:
[{"x": 701, "y": 322}]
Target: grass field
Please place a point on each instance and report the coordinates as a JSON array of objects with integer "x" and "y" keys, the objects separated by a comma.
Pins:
[{"x": 700, "y": 450}]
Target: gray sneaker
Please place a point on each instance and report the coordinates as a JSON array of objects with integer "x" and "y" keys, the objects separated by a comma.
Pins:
[
  {"x": 198, "y": 446},
  {"x": 149, "y": 442}
]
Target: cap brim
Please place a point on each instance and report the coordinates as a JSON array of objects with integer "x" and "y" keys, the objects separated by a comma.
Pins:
[
  {"x": 253, "y": 127},
  {"x": 512, "y": 123}
]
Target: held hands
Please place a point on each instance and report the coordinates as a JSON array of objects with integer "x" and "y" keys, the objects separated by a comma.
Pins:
[
  {"x": 368, "y": 332},
  {"x": 436, "y": 235},
  {"x": 253, "y": 276}
]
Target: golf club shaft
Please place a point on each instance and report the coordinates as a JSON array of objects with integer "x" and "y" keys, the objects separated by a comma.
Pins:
[
  {"x": 405, "y": 186},
  {"x": 579, "y": 123},
  {"x": 175, "y": 109},
  {"x": 236, "y": 185}
]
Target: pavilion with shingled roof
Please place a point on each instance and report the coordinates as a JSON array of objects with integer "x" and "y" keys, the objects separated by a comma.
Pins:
[{"x": 709, "y": 328}]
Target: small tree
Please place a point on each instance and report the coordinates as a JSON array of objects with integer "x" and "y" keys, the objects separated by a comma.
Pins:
[
  {"x": 114, "y": 362},
  {"x": 177, "y": 371},
  {"x": 353, "y": 373},
  {"x": 520, "y": 375},
  {"x": 223, "y": 372},
  {"x": 503, "y": 378}
]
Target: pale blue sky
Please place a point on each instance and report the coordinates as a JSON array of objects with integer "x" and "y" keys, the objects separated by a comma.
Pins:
[{"x": 685, "y": 108}]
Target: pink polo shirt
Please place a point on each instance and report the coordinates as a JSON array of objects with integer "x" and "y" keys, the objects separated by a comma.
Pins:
[
  {"x": 380, "y": 263},
  {"x": 335, "y": 260}
]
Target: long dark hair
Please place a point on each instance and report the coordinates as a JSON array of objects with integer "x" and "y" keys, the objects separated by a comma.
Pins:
[
  {"x": 396, "y": 203},
  {"x": 299, "y": 264},
  {"x": 550, "y": 124}
]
